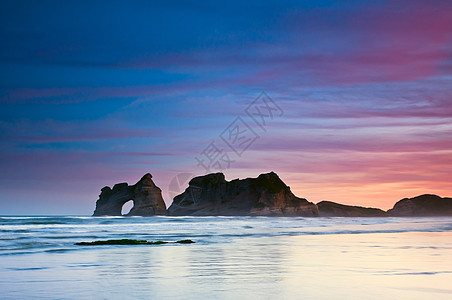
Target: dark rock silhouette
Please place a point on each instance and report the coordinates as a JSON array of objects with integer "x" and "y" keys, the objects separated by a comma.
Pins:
[
  {"x": 332, "y": 209},
  {"x": 146, "y": 196},
  {"x": 422, "y": 206},
  {"x": 130, "y": 242},
  {"x": 266, "y": 195}
]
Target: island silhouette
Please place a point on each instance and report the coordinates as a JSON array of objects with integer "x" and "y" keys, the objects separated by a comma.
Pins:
[{"x": 266, "y": 195}]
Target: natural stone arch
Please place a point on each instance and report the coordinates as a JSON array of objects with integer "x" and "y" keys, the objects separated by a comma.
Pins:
[
  {"x": 146, "y": 196},
  {"x": 127, "y": 207}
]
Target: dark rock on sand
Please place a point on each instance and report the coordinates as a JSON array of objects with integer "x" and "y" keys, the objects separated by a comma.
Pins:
[
  {"x": 332, "y": 209},
  {"x": 422, "y": 206},
  {"x": 130, "y": 242},
  {"x": 266, "y": 195},
  {"x": 146, "y": 196}
]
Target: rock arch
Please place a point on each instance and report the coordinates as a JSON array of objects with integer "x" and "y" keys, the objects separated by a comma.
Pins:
[
  {"x": 146, "y": 196},
  {"x": 127, "y": 207}
]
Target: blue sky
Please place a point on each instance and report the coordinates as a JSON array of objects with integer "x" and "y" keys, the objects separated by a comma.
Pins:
[{"x": 98, "y": 93}]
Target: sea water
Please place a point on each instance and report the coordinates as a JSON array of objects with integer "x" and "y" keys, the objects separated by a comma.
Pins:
[{"x": 233, "y": 258}]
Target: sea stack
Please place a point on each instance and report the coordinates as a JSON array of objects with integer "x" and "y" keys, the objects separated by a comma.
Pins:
[
  {"x": 422, "y": 206},
  {"x": 146, "y": 196},
  {"x": 266, "y": 195},
  {"x": 332, "y": 209}
]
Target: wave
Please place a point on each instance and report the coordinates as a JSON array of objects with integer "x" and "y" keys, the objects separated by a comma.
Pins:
[{"x": 50, "y": 233}]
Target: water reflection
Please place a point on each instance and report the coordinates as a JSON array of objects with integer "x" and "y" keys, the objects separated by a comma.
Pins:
[{"x": 238, "y": 258}]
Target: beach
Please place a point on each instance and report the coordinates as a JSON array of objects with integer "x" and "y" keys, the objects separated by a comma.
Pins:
[{"x": 233, "y": 257}]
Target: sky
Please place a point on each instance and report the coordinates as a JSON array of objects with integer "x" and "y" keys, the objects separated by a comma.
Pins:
[{"x": 347, "y": 101}]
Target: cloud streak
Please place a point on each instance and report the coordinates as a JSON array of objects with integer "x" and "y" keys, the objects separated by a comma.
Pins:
[{"x": 364, "y": 85}]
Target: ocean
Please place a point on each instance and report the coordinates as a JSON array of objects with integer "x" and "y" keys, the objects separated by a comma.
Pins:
[{"x": 233, "y": 258}]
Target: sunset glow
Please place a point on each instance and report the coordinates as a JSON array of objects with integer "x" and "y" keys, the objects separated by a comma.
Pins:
[{"x": 365, "y": 90}]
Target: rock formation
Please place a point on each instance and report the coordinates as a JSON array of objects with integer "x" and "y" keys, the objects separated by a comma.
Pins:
[
  {"x": 422, "y": 206},
  {"x": 332, "y": 209},
  {"x": 266, "y": 195},
  {"x": 146, "y": 196}
]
